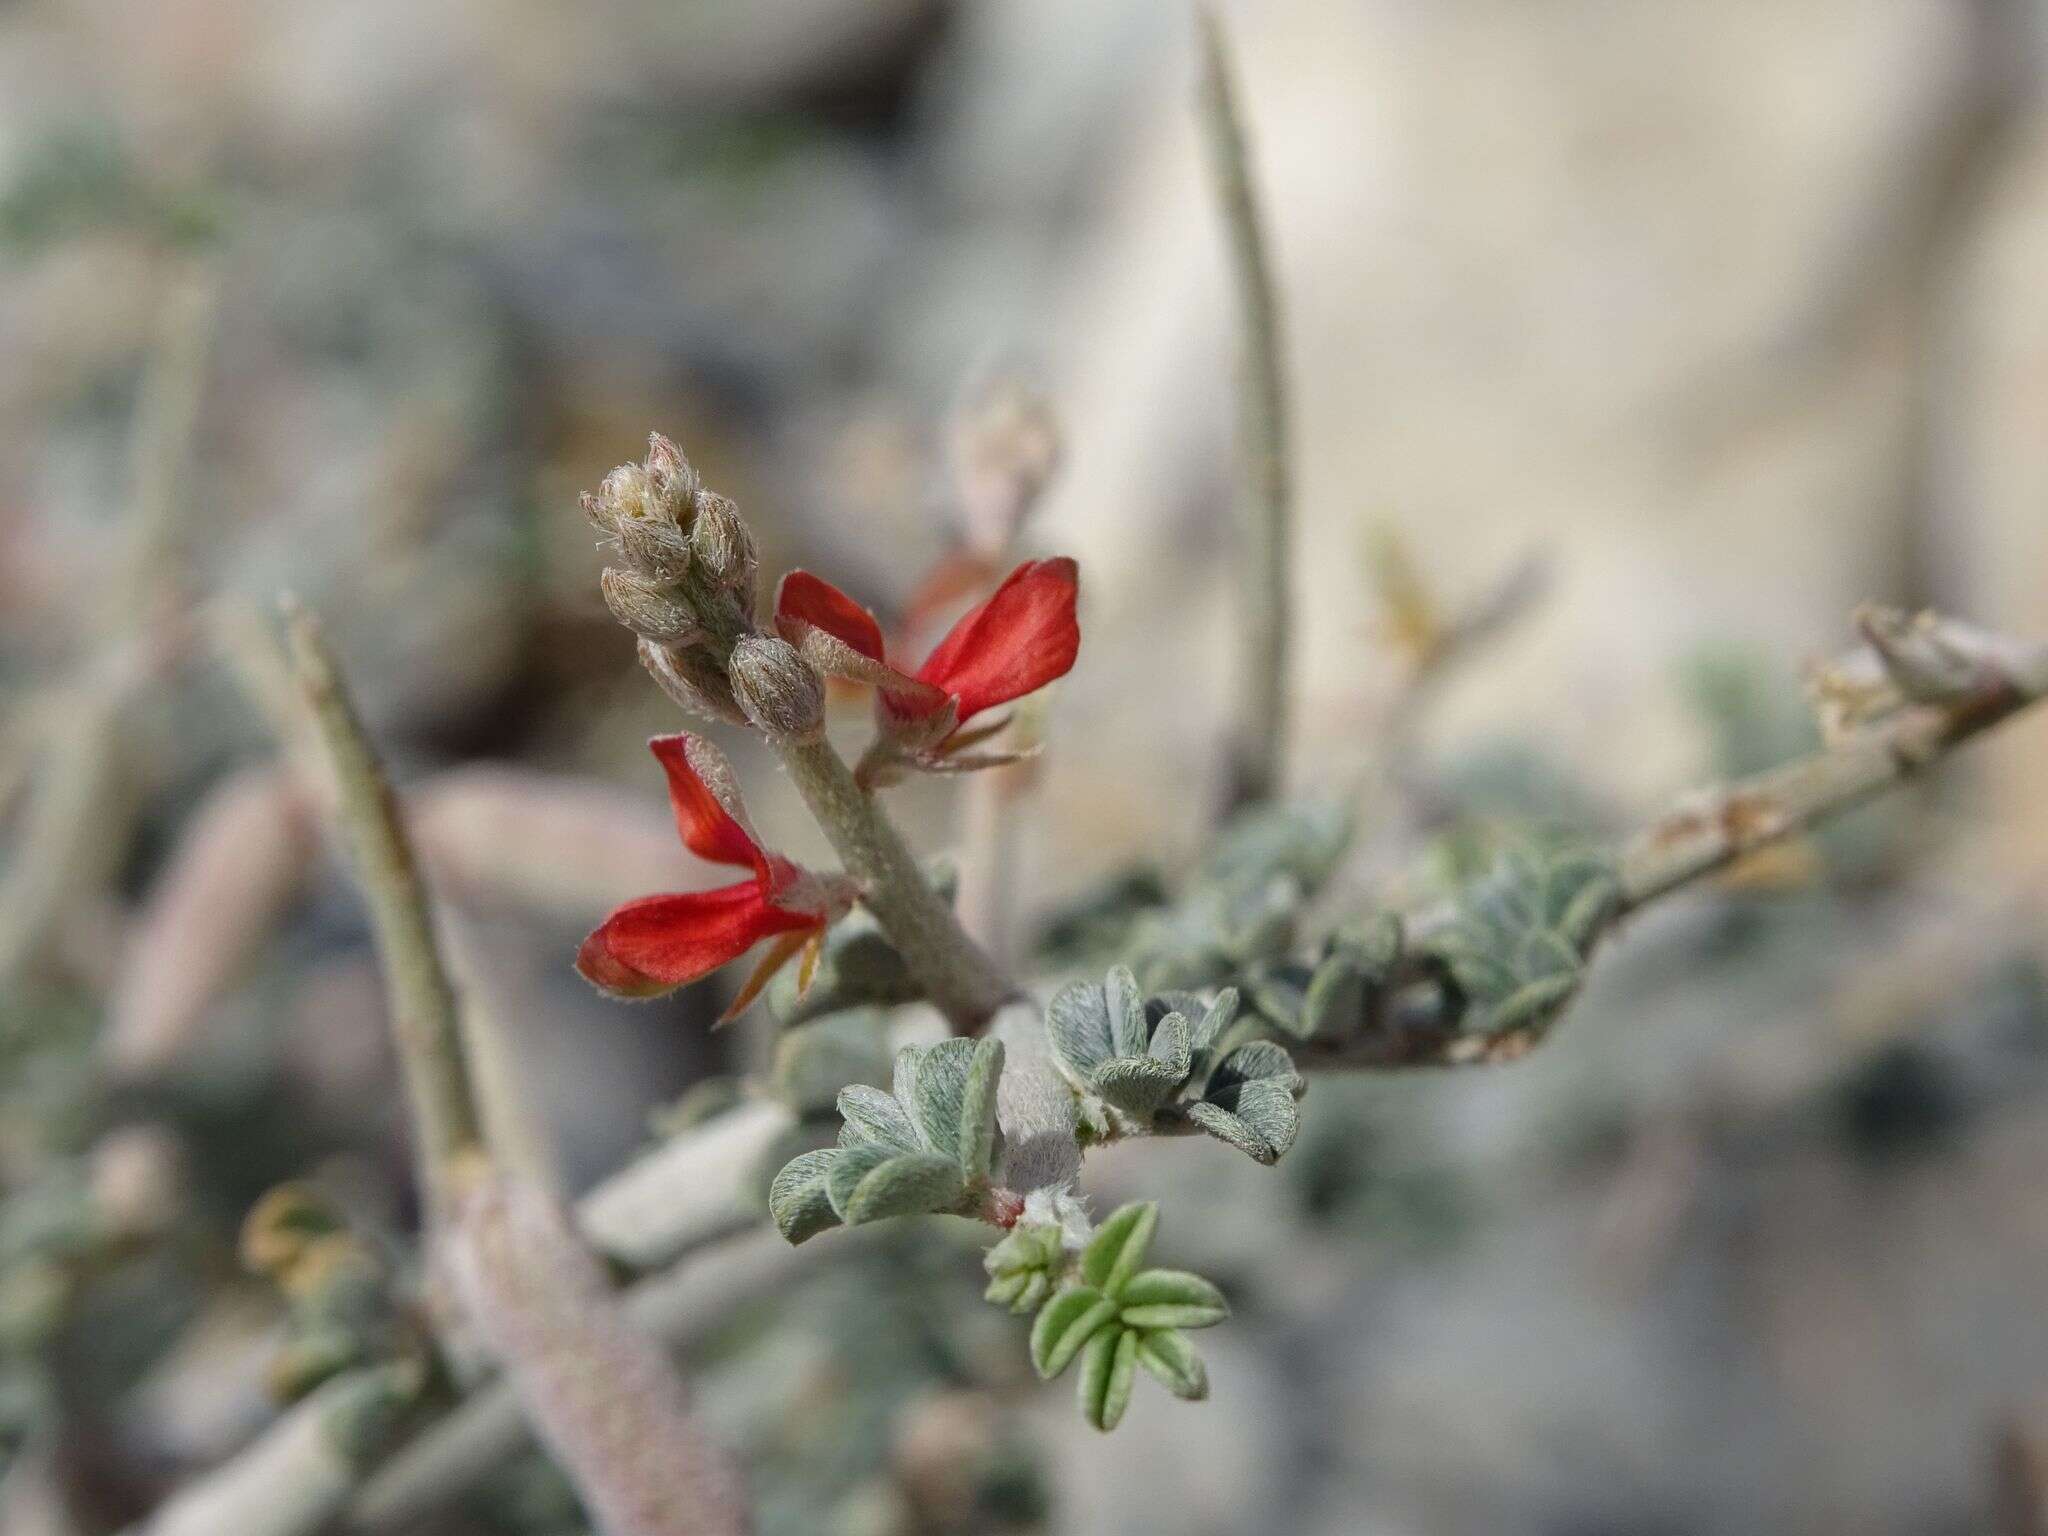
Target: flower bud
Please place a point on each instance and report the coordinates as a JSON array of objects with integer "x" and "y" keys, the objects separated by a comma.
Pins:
[
  {"x": 1005, "y": 449},
  {"x": 778, "y": 689},
  {"x": 723, "y": 545},
  {"x": 651, "y": 609},
  {"x": 692, "y": 678},
  {"x": 647, "y": 510}
]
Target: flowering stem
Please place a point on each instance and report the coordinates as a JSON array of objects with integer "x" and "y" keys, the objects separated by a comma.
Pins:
[
  {"x": 959, "y": 979},
  {"x": 1259, "y": 721}
]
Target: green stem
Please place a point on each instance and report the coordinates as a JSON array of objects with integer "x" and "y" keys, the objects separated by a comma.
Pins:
[
  {"x": 446, "y": 1121},
  {"x": 961, "y": 981},
  {"x": 1259, "y": 721}
]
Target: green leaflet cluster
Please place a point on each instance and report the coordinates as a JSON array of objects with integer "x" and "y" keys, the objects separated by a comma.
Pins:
[
  {"x": 1325, "y": 998},
  {"x": 1517, "y": 950},
  {"x": 1118, "y": 1318},
  {"x": 926, "y": 1145},
  {"x": 1147, "y": 1064}
]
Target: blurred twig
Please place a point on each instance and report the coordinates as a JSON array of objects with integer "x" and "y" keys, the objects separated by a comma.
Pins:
[
  {"x": 300, "y": 1472},
  {"x": 1258, "y": 739},
  {"x": 67, "y": 815}
]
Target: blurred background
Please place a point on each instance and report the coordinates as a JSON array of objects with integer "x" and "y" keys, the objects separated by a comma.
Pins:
[{"x": 1731, "y": 315}]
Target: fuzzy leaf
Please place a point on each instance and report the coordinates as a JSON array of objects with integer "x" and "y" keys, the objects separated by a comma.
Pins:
[
  {"x": 854, "y": 1161},
  {"x": 1118, "y": 1247},
  {"x": 1261, "y": 1059},
  {"x": 938, "y": 1090},
  {"x": 1171, "y": 1298},
  {"x": 1137, "y": 1085},
  {"x": 976, "y": 1138},
  {"x": 1077, "y": 1024},
  {"x": 1334, "y": 1003},
  {"x": 1227, "y": 1127},
  {"x": 1213, "y": 1020},
  {"x": 870, "y": 1182},
  {"x": 1269, "y": 1109},
  {"x": 875, "y": 1116},
  {"x": 1171, "y": 1044},
  {"x": 1022, "y": 1292},
  {"x": 1301, "y": 839},
  {"x": 1171, "y": 1360},
  {"x": 797, "y": 1198},
  {"x": 1125, "y": 1006},
  {"x": 1108, "y": 1370},
  {"x": 1279, "y": 990},
  {"x": 1064, "y": 1324},
  {"x": 1519, "y": 946}
]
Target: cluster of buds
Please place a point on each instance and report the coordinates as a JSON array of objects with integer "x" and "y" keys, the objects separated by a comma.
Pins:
[{"x": 684, "y": 583}]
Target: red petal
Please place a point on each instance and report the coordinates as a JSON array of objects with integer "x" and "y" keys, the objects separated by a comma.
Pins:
[
  {"x": 656, "y": 944},
  {"x": 1022, "y": 638},
  {"x": 708, "y": 829},
  {"x": 817, "y": 602},
  {"x": 957, "y": 575}
]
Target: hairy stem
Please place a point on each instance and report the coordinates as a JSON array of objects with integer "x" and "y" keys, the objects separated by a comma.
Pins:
[
  {"x": 680, "y": 1307},
  {"x": 1707, "y": 831},
  {"x": 599, "y": 1391},
  {"x": 1259, "y": 718},
  {"x": 961, "y": 981},
  {"x": 447, "y": 1125}
]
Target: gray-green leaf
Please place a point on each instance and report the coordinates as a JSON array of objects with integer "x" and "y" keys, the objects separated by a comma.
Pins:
[
  {"x": 1108, "y": 1369},
  {"x": 1064, "y": 1324},
  {"x": 1171, "y": 1298},
  {"x": 1077, "y": 1024},
  {"x": 1118, "y": 1247},
  {"x": 797, "y": 1198},
  {"x": 1125, "y": 1005},
  {"x": 1170, "y": 1359},
  {"x": 871, "y": 1181},
  {"x": 875, "y": 1116},
  {"x": 976, "y": 1136}
]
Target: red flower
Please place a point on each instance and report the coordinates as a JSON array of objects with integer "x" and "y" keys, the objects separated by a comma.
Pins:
[
  {"x": 1021, "y": 638},
  {"x": 658, "y": 943}
]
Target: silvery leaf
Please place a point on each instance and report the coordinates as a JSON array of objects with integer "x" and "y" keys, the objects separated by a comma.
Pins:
[
  {"x": 1125, "y": 1006},
  {"x": 976, "y": 1137},
  {"x": 1077, "y": 1025},
  {"x": 797, "y": 1198},
  {"x": 873, "y": 1115}
]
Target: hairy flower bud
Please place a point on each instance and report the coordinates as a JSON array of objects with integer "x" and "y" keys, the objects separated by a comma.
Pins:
[
  {"x": 778, "y": 689},
  {"x": 692, "y": 678},
  {"x": 723, "y": 545},
  {"x": 649, "y": 608},
  {"x": 1005, "y": 449},
  {"x": 648, "y": 510}
]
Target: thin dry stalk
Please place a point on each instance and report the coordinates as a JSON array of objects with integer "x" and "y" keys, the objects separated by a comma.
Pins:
[{"x": 1258, "y": 728}]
